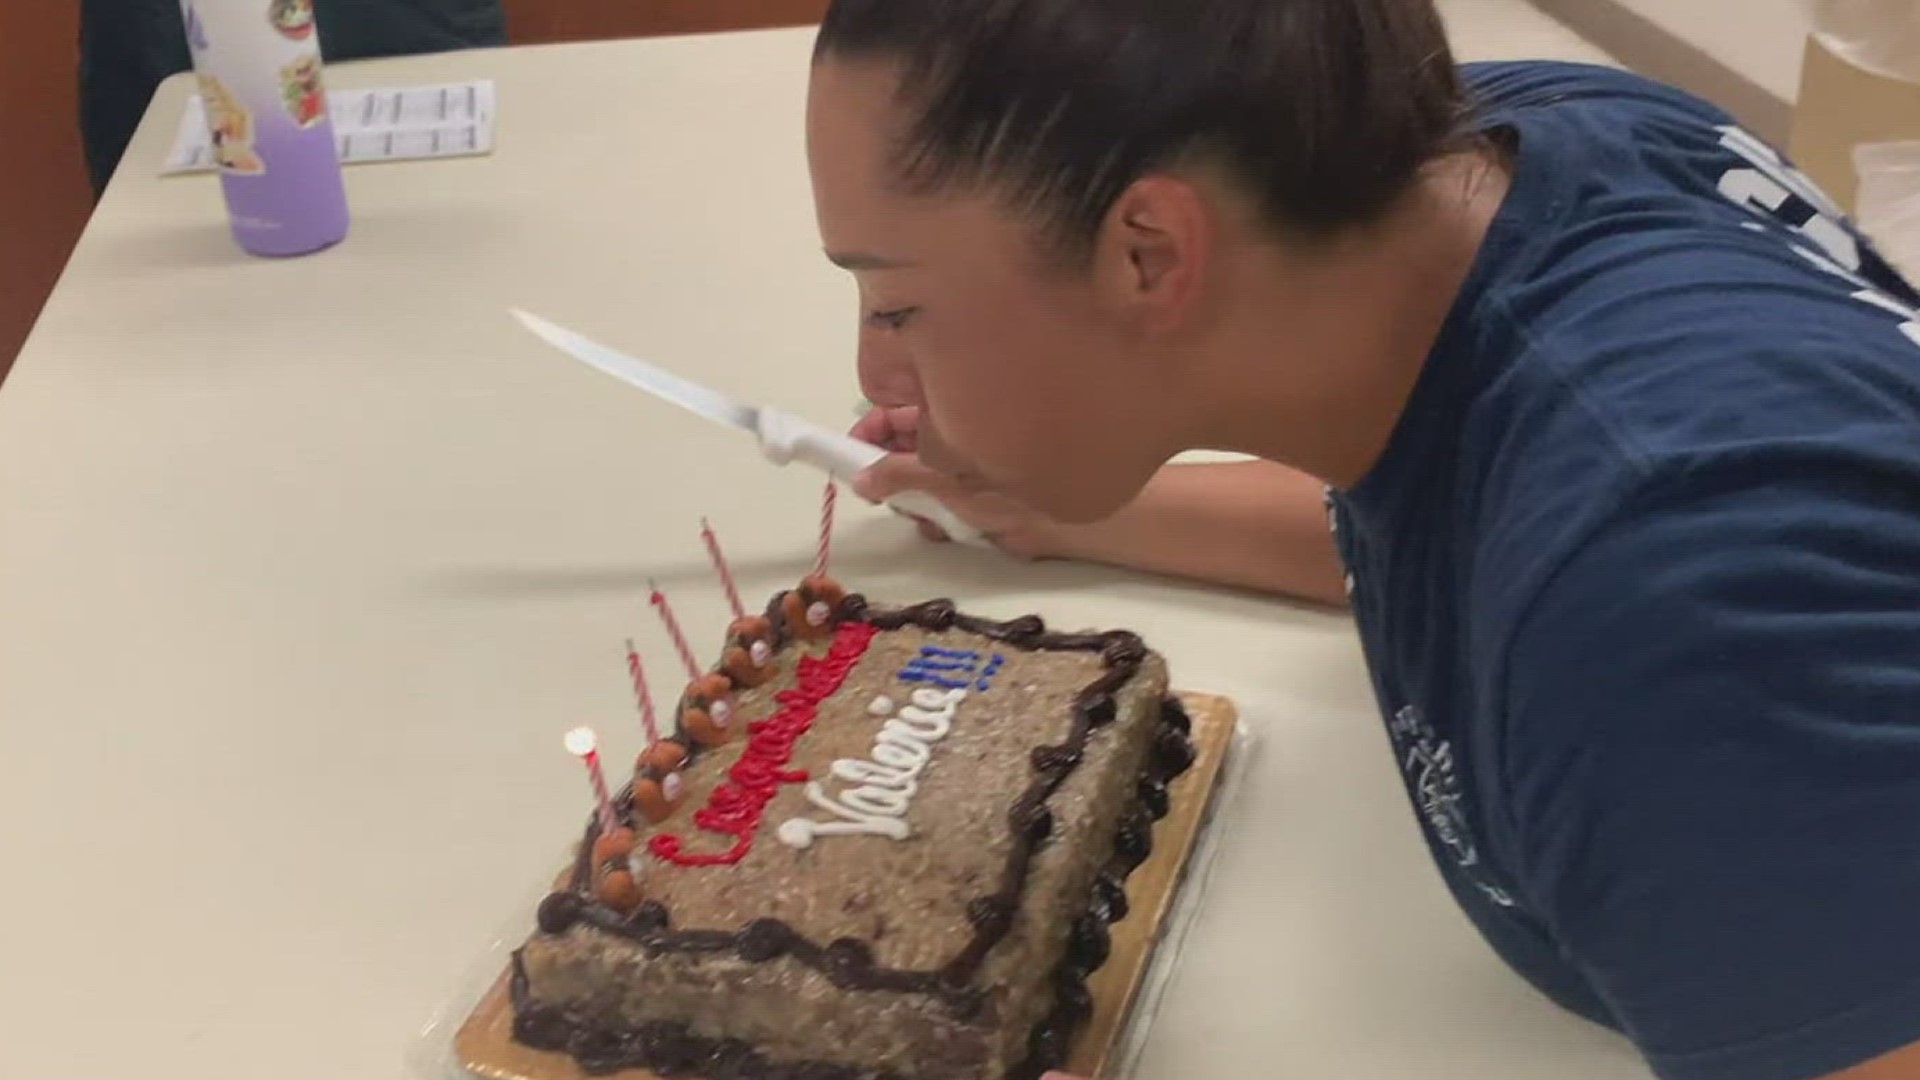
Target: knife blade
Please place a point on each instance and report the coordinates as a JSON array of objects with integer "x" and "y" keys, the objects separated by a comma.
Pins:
[
  {"x": 655, "y": 380},
  {"x": 783, "y": 437}
]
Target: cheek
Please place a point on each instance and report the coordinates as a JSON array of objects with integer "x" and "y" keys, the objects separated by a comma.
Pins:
[
  {"x": 1000, "y": 388},
  {"x": 1041, "y": 408}
]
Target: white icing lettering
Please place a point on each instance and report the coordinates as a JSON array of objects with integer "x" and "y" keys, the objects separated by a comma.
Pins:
[
  {"x": 927, "y": 726},
  {"x": 879, "y": 801},
  {"x": 900, "y": 750},
  {"x": 800, "y": 832},
  {"x": 817, "y": 795},
  {"x": 938, "y": 699},
  {"x": 866, "y": 772},
  {"x": 886, "y": 781}
]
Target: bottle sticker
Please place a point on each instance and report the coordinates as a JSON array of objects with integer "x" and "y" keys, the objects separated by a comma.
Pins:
[
  {"x": 231, "y": 124},
  {"x": 303, "y": 92},
  {"x": 293, "y": 18}
]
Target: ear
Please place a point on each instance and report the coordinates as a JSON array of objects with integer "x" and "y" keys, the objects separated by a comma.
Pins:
[{"x": 1154, "y": 250}]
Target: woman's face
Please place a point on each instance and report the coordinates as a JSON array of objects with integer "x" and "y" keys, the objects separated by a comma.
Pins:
[{"x": 1033, "y": 379}]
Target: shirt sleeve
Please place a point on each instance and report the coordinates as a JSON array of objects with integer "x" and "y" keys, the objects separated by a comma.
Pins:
[{"x": 1713, "y": 755}]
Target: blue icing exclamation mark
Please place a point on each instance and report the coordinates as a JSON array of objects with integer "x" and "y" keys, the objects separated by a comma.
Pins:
[{"x": 993, "y": 668}]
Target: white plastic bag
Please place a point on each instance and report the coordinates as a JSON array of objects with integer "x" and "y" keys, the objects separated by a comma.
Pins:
[
  {"x": 1881, "y": 36},
  {"x": 1889, "y": 202}
]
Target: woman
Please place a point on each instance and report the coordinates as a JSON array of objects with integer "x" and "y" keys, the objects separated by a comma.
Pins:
[{"x": 1618, "y": 421}]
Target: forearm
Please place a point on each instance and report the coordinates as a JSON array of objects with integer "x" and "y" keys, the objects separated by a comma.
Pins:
[{"x": 1253, "y": 525}]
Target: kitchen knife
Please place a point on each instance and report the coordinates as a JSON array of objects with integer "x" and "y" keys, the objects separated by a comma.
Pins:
[{"x": 783, "y": 437}]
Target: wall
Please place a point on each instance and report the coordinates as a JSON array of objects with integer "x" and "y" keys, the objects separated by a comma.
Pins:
[
  {"x": 581, "y": 20},
  {"x": 1743, "y": 54},
  {"x": 44, "y": 196},
  {"x": 1761, "y": 41},
  {"x": 1842, "y": 107}
]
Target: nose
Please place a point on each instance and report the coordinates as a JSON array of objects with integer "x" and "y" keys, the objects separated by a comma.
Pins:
[{"x": 887, "y": 376}]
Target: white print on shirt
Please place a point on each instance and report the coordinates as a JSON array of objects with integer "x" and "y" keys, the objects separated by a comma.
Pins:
[
  {"x": 1763, "y": 189},
  {"x": 1333, "y": 526},
  {"x": 1427, "y": 761}
]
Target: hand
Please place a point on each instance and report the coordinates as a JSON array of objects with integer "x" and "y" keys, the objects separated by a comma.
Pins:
[
  {"x": 1012, "y": 527},
  {"x": 896, "y": 429}
]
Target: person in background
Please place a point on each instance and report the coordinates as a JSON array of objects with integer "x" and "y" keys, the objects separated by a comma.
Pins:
[
  {"x": 128, "y": 46},
  {"x": 1615, "y": 418}
]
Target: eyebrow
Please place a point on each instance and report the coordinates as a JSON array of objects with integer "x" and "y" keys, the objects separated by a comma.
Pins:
[{"x": 860, "y": 260}]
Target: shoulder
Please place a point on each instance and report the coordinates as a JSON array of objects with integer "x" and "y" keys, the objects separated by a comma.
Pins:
[
  {"x": 1647, "y": 421},
  {"x": 1688, "y": 316},
  {"x": 1712, "y": 545},
  {"x": 1503, "y": 86},
  {"x": 1766, "y": 599},
  {"x": 1643, "y": 421}
]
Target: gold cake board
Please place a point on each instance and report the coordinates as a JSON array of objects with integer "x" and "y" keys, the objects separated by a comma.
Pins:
[{"x": 484, "y": 1045}]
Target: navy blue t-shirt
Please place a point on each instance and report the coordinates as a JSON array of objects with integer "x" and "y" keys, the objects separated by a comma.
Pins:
[{"x": 1638, "y": 577}]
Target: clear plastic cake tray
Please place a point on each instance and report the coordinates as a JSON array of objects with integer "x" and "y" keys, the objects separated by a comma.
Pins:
[{"x": 470, "y": 1034}]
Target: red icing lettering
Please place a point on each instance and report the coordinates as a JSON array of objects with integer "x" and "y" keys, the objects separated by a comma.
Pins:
[{"x": 736, "y": 806}]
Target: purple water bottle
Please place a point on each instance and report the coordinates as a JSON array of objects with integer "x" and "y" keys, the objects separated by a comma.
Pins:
[{"x": 258, "y": 63}]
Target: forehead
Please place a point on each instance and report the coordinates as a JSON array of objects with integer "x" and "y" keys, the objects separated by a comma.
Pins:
[
  {"x": 853, "y": 127},
  {"x": 856, "y": 93},
  {"x": 854, "y": 120}
]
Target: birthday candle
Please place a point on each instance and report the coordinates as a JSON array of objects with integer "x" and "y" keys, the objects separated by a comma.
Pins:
[
  {"x": 645, "y": 699},
  {"x": 720, "y": 567},
  {"x": 673, "y": 630},
  {"x": 581, "y": 743},
  {"x": 826, "y": 528}
]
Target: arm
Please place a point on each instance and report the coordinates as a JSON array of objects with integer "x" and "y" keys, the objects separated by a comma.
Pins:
[
  {"x": 1253, "y": 525},
  {"x": 1899, "y": 1065}
]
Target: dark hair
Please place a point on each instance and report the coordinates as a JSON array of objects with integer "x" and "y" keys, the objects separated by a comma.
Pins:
[{"x": 1326, "y": 109}]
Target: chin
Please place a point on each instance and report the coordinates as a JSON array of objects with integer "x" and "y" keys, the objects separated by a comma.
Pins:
[{"x": 1082, "y": 491}]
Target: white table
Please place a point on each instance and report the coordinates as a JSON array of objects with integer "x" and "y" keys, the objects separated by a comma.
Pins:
[{"x": 306, "y": 565}]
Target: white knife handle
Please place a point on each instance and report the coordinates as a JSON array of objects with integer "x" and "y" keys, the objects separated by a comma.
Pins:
[
  {"x": 785, "y": 438},
  {"x": 922, "y": 505}
]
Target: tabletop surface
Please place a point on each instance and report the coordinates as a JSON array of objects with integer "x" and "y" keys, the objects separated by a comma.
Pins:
[{"x": 307, "y": 564}]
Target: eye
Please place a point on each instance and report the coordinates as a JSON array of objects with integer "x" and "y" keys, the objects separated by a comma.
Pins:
[{"x": 891, "y": 320}]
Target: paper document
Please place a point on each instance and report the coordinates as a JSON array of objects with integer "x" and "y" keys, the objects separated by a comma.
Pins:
[{"x": 454, "y": 120}]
